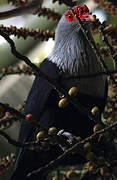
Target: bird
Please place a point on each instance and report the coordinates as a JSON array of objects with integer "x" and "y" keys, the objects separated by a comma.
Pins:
[{"x": 72, "y": 56}]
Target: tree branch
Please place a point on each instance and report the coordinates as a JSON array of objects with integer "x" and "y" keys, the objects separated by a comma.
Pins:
[
  {"x": 93, "y": 75},
  {"x": 22, "y": 9},
  {"x": 111, "y": 48},
  {"x": 26, "y": 32},
  {"x": 7, "y": 108},
  {"x": 25, "y": 70},
  {"x": 28, "y": 145},
  {"x": 53, "y": 164}
]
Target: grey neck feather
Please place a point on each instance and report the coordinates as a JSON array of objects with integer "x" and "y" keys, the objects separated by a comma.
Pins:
[
  {"x": 66, "y": 54},
  {"x": 74, "y": 56},
  {"x": 71, "y": 51}
]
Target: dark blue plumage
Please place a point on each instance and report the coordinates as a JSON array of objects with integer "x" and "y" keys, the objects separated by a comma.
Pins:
[{"x": 42, "y": 101}]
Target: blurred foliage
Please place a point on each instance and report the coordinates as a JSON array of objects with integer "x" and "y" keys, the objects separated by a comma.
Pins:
[{"x": 2, "y": 2}]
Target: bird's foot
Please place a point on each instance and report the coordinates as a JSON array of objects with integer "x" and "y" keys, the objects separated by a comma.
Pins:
[{"x": 66, "y": 139}]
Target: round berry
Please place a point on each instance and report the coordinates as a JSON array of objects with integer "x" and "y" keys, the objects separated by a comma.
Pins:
[
  {"x": 63, "y": 103},
  {"x": 29, "y": 118}
]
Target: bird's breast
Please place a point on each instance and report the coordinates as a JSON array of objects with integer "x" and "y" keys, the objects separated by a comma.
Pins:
[{"x": 93, "y": 85}]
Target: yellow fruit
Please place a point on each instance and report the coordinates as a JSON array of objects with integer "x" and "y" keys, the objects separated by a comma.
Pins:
[
  {"x": 52, "y": 131},
  {"x": 31, "y": 147},
  {"x": 104, "y": 171},
  {"x": 63, "y": 103},
  {"x": 95, "y": 110},
  {"x": 7, "y": 158},
  {"x": 55, "y": 178},
  {"x": 78, "y": 139},
  {"x": 71, "y": 174},
  {"x": 88, "y": 165},
  {"x": 73, "y": 91},
  {"x": 92, "y": 169},
  {"x": 40, "y": 135},
  {"x": 90, "y": 156},
  {"x": 87, "y": 146},
  {"x": 97, "y": 127},
  {"x": 114, "y": 85}
]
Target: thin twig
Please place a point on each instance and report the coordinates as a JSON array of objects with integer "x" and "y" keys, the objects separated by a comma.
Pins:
[
  {"x": 26, "y": 32},
  {"x": 92, "y": 75},
  {"x": 25, "y": 70},
  {"x": 29, "y": 72},
  {"x": 111, "y": 48},
  {"x": 28, "y": 145},
  {"x": 6, "y": 123},
  {"x": 12, "y": 111}
]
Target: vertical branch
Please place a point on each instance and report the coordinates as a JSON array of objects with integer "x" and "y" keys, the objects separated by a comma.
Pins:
[
  {"x": 93, "y": 46},
  {"x": 112, "y": 50}
]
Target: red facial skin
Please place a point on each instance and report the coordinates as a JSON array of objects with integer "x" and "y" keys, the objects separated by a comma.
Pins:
[
  {"x": 82, "y": 12},
  {"x": 70, "y": 17}
]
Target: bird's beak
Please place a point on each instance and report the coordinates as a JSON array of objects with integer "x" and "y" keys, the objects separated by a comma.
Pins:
[{"x": 90, "y": 18}]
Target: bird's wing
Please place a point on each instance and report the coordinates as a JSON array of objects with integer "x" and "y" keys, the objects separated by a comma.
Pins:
[
  {"x": 37, "y": 99},
  {"x": 41, "y": 89},
  {"x": 39, "y": 92}
]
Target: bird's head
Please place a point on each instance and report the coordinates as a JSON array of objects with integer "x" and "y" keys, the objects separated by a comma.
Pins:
[
  {"x": 69, "y": 22},
  {"x": 70, "y": 42}
]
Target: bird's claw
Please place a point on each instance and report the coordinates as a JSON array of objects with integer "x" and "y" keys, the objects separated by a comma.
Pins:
[{"x": 70, "y": 139}]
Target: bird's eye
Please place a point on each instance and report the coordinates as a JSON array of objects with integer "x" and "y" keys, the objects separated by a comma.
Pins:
[{"x": 69, "y": 16}]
